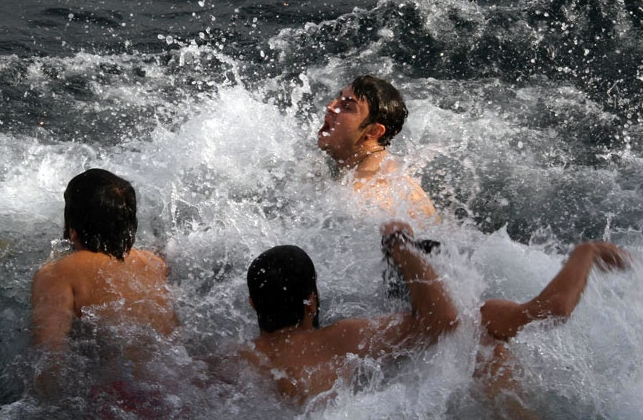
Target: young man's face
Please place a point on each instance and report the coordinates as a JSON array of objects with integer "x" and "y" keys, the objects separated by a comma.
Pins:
[{"x": 342, "y": 131}]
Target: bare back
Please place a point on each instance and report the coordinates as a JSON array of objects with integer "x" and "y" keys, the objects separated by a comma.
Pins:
[
  {"x": 304, "y": 362},
  {"x": 130, "y": 291}
]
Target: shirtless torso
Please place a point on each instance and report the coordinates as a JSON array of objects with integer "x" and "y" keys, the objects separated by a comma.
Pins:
[
  {"x": 302, "y": 362},
  {"x": 381, "y": 183},
  {"x": 133, "y": 290},
  {"x": 305, "y": 361}
]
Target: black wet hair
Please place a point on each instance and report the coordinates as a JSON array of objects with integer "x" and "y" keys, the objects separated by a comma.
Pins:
[
  {"x": 101, "y": 208},
  {"x": 385, "y": 105},
  {"x": 280, "y": 280}
]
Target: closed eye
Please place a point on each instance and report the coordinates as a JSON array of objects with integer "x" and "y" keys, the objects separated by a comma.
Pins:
[{"x": 346, "y": 102}]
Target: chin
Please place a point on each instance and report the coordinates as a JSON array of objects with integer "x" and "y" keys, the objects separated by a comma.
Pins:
[{"x": 321, "y": 143}]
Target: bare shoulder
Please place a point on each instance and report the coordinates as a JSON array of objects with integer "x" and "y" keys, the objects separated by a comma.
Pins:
[
  {"x": 354, "y": 335},
  {"x": 414, "y": 190},
  {"x": 47, "y": 270},
  {"x": 146, "y": 255},
  {"x": 62, "y": 268},
  {"x": 405, "y": 192},
  {"x": 52, "y": 279},
  {"x": 251, "y": 354},
  {"x": 149, "y": 260},
  {"x": 421, "y": 203},
  {"x": 366, "y": 326},
  {"x": 45, "y": 276},
  {"x": 225, "y": 366},
  {"x": 349, "y": 325},
  {"x": 69, "y": 272}
]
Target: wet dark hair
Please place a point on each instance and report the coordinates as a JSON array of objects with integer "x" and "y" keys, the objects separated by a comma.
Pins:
[
  {"x": 101, "y": 208},
  {"x": 385, "y": 105},
  {"x": 279, "y": 281}
]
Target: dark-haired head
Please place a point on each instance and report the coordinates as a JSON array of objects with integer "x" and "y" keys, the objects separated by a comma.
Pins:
[
  {"x": 385, "y": 105},
  {"x": 101, "y": 208},
  {"x": 280, "y": 282}
]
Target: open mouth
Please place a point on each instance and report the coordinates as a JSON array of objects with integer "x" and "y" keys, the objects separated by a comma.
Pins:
[{"x": 325, "y": 130}]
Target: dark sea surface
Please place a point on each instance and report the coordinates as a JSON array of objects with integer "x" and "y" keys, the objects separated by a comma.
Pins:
[{"x": 525, "y": 127}]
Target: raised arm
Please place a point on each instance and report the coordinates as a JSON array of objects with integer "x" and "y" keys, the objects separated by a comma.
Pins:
[
  {"x": 432, "y": 314},
  {"x": 503, "y": 319},
  {"x": 52, "y": 301},
  {"x": 431, "y": 304}
]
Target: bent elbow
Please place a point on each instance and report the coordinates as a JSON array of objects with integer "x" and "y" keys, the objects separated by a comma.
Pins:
[{"x": 562, "y": 308}]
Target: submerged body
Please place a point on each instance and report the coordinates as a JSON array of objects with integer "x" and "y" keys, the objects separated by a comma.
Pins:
[
  {"x": 358, "y": 127},
  {"x": 305, "y": 362},
  {"x": 106, "y": 300}
]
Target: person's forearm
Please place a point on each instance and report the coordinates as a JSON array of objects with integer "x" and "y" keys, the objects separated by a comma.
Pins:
[
  {"x": 562, "y": 294},
  {"x": 503, "y": 319},
  {"x": 429, "y": 298},
  {"x": 50, "y": 379}
]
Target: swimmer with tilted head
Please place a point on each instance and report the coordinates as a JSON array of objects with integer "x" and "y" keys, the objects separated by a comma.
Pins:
[{"x": 359, "y": 125}]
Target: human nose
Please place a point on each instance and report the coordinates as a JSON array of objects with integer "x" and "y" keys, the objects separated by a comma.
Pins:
[{"x": 333, "y": 107}]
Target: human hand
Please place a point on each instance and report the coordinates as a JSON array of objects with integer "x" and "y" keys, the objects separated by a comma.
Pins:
[
  {"x": 395, "y": 226},
  {"x": 395, "y": 232},
  {"x": 608, "y": 256}
]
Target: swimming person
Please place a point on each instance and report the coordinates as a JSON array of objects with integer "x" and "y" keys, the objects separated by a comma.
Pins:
[
  {"x": 104, "y": 284},
  {"x": 503, "y": 319},
  {"x": 283, "y": 290},
  {"x": 358, "y": 127},
  {"x": 305, "y": 360}
]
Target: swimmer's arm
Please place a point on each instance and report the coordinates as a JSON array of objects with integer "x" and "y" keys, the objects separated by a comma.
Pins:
[
  {"x": 503, "y": 319},
  {"x": 496, "y": 373},
  {"x": 52, "y": 300},
  {"x": 432, "y": 307},
  {"x": 433, "y": 312}
]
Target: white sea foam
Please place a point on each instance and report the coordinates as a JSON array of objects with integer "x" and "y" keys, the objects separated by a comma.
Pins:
[{"x": 241, "y": 175}]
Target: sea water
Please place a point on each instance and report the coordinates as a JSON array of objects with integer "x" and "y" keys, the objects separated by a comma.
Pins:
[{"x": 525, "y": 127}]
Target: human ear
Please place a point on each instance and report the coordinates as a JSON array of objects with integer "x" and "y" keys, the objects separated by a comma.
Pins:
[
  {"x": 311, "y": 304},
  {"x": 74, "y": 238},
  {"x": 375, "y": 131}
]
